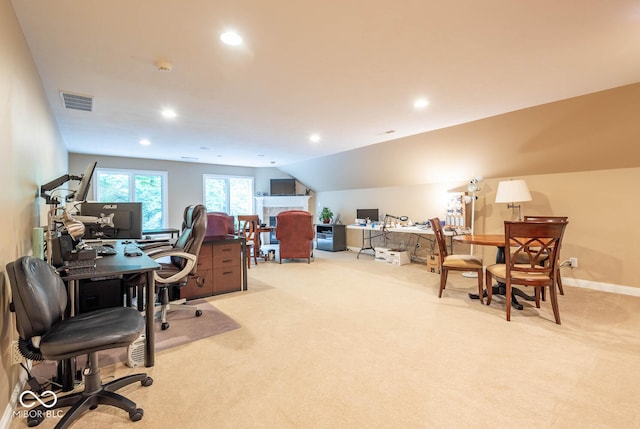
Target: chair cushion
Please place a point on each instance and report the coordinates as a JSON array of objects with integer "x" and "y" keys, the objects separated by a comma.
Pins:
[
  {"x": 499, "y": 271},
  {"x": 89, "y": 332},
  {"x": 462, "y": 261}
]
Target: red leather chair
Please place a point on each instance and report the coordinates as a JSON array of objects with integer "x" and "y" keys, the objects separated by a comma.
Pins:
[
  {"x": 295, "y": 232},
  {"x": 219, "y": 223}
]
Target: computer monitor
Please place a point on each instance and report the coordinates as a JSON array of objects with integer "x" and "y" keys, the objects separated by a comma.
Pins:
[
  {"x": 368, "y": 213},
  {"x": 127, "y": 220},
  {"x": 80, "y": 194}
]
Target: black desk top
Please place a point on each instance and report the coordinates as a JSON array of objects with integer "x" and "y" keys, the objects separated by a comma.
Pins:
[{"x": 116, "y": 264}]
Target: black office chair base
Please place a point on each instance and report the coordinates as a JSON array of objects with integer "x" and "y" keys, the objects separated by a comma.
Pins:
[
  {"x": 167, "y": 305},
  {"x": 94, "y": 394}
]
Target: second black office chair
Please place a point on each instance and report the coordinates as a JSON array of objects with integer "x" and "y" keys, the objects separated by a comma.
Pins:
[{"x": 178, "y": 262}]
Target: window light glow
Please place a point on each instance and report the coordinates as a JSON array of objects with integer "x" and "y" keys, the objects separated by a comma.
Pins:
[{"x": 315, "y": 138}]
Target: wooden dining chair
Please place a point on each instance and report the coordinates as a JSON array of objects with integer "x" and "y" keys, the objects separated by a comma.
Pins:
[
  {"x": 454, "y": 262},
  {"x": 247, "y": 227},
  {"x": 522, "y": 266},
  {"x": 550, "y": 219}
]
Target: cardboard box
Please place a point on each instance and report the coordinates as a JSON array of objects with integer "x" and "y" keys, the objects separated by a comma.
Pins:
[
  {"x": 396, "y": 257},
  {"x": 433, "y": 264},
  {"x": 381, "y": 254}
]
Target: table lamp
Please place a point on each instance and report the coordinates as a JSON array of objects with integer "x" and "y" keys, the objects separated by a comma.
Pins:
[{"x": 511, "y": 192}]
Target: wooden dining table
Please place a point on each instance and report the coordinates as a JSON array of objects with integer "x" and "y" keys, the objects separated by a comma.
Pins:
[{"x": 500, "y": 288}]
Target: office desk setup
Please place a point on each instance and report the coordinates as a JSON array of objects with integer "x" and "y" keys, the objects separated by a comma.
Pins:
[
  {"x": 113, "y": 266},
  {"x": 368, "y": 233},
  {"x": 166, "y": 231},
  {"x": 498, "y": 241}
]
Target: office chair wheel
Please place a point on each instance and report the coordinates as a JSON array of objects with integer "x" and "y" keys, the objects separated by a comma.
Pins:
[
  {"x": 136, "y": 415},
  {"x": 198, "y": 313},
  {"x": 34, "y": 419},
  {"x": 164, "y": 326},
  {"x": 147, "y": 382}
]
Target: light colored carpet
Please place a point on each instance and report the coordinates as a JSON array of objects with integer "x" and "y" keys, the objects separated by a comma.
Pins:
[{"x": 347, "y": 343}]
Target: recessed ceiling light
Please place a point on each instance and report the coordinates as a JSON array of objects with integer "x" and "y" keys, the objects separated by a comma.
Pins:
[
  {"x": 315, "y": 138},
  {"x": 169, "y": 113},
  {"x": 420, "y": 103},
  {"x": 145, "y": 142},
  {"x": 231, "y": 38}
]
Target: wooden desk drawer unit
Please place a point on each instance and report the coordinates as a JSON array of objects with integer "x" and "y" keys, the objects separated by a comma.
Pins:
[
  {"x": 227, "y": 264},
  {"x": 219, "y": 271}
]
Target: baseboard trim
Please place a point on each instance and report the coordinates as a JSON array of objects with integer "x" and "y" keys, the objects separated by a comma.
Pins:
[
  {"x": 569, "y": 281},
  {"x": 603, "y": 287},
  {"x": 9, "y": 411}
]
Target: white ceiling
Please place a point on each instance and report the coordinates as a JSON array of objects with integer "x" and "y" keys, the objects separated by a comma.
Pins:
[{"x": 348, "y": 70}]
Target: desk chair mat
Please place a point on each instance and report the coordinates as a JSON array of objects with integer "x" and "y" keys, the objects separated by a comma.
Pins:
[{"x": 185, "y": 328}]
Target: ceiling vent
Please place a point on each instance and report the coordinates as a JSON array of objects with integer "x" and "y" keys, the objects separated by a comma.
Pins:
[{"x": 77, "y": 101}]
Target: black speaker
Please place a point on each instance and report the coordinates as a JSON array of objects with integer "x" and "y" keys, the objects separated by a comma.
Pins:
[{"x": 60, "y": 248}]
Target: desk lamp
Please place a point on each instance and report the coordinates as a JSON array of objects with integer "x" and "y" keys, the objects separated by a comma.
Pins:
[
  {"x": 511, "y": 192},
  {"x": 400, "y": 218}
]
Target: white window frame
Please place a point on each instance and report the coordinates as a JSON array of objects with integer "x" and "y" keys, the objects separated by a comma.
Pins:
[
  {"x": 132, "y": 173},
  {"x": 227, "y": 177}
]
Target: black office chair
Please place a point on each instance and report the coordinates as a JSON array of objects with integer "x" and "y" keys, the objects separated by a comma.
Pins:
[
  {"x": 178, "y": 262},
  {"x": 39, "y": 300}
]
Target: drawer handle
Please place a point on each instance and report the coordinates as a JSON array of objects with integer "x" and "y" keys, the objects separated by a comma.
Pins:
[
  {"x": 200, "y": 281},
  {"x": 227, "y": 272},
  {"x": 227, "y": 260}
]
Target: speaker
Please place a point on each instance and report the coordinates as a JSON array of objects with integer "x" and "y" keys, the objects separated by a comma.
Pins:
[
  {"x": 60, "y": 248},
  {"x": 135, "y": 352}
]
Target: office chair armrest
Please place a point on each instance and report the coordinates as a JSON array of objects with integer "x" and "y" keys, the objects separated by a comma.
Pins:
[
  {"x": 190, "y": 263},
  {"x": 150, "y": 248}
]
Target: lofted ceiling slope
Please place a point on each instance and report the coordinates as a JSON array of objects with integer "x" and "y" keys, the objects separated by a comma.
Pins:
[{"x": 347, "y": 70}]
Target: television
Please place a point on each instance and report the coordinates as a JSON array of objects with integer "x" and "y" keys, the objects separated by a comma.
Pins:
[
  {"x": 127, "y": 220},
  {"x": 283, "y": 187}
]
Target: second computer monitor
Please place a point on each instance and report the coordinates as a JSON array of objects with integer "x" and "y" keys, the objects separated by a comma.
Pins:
[
  {"x": 127, "y": 220},
  {"x": 371, "y": 214}
]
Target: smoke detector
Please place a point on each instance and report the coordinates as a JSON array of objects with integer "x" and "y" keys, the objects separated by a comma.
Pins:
[{"x": 164, "y": 66}]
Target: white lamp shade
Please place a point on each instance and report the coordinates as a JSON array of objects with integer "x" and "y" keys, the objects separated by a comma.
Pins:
[{"x": 512, "y": 191}]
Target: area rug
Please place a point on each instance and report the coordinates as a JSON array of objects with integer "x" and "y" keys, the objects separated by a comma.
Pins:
[{"x": 184, "y": 328}]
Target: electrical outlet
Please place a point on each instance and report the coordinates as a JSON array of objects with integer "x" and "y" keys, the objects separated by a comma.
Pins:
[
  {"x": 17, "y": 356},
  {"x": 573, "y": 262}
]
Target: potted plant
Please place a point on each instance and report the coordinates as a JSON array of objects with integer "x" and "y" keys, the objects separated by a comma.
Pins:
[{"x": 326, "y": 215}]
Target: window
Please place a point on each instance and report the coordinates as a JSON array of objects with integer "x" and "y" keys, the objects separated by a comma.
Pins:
[
  {"x": 229, "y": 194},
  {"x": 147, "y": 187}
]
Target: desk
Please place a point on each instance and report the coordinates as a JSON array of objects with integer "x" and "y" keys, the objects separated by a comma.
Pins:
[
  {"x": 414, "y": 229},
  {"x": 170, "y": 231},
  {"x": 498, "y": 241},
  {"x": 111, "y": 266}
]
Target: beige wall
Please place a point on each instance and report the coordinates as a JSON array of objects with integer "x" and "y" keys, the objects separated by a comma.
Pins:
[
  {"x": 601, "y": 205},
  {"x": 33, "y": 154}
]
